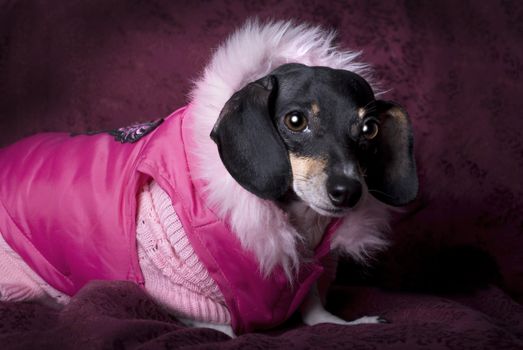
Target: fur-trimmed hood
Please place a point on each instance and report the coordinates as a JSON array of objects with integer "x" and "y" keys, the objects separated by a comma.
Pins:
[{"x": 262, "y": 227}]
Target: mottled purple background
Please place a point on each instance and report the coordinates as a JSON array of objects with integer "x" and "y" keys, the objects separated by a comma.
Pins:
[{"x": 457, "y": 66}]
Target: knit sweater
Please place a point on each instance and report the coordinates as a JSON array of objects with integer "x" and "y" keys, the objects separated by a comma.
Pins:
[{"x": 173, "y": 274}]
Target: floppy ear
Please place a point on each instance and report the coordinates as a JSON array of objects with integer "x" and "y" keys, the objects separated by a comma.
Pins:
[
  {"x": 249, "y": 144},
  {"x": 391, "y": 169}
]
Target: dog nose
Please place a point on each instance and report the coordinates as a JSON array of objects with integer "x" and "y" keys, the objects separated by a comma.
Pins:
[{"x": 344, "y": 192}]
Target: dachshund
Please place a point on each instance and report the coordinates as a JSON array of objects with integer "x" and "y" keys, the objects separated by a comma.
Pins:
[{"x": 283, "y": 159}]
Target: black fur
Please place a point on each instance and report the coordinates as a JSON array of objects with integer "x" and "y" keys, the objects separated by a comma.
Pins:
[
  {"x": 389, "y": 161},
  {"x": 249, "y": 145},
  {"x": 254, "y": 142}
]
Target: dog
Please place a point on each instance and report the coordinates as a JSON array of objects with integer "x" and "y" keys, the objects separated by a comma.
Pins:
[{"x": 238, "y": 203}]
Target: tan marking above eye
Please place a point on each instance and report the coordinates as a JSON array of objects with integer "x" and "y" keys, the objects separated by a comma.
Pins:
[
  {"x": 361, "y": 112},
  {"x": 315, "y": 109},
  {"x": 305, "y": 167}
]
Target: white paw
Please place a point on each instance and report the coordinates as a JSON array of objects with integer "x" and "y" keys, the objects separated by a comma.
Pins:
[
  {"x": 368, "y": 320},
  {"x": 322, "y": 316}
]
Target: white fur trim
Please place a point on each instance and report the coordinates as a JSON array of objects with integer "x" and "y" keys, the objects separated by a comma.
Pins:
[{"x": 249, "y": 54}]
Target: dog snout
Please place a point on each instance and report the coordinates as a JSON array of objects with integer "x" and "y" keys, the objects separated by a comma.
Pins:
[{"x": 344, "y": 191}]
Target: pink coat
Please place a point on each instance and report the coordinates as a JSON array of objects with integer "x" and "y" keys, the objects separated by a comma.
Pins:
[{"x": 68, "y": 207}]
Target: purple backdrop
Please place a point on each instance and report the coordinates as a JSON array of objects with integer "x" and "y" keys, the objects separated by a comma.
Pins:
[{"x": 456, "y": 66}]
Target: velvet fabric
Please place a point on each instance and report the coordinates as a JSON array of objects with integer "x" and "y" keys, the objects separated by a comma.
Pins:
[
  {"x": 454, "y": 275},
  {"x": 118, "y": 315}
]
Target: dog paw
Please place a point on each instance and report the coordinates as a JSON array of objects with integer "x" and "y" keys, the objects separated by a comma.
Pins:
[
  {"x": 224, "y": 328},
  {"x": 368, "y": 320},
  {"x": 383, "y": 320}
]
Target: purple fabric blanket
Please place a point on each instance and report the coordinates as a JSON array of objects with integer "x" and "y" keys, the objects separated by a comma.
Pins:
[
  {"x": 118, "y": 315},
  {"x": 453, "y": 278}
]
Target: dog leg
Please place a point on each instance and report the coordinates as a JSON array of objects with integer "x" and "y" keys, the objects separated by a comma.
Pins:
[
  {"x": 224, "y": 328},
  {"x": 313, "y": 312}
]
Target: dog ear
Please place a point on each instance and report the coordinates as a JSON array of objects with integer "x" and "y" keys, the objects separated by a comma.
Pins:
[
  {"x": 249, "y": 144},
  {"x": 391, "y": 168}
]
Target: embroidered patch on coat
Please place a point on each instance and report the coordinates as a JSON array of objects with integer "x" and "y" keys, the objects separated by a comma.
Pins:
[
  {"x": 133, "y": 133},
  {"x": 128, "y": 134}
]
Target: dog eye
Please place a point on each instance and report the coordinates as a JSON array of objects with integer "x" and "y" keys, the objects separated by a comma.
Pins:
[
  {"x": 295, "y": 121},
  {"x": 370, "y": 129}
]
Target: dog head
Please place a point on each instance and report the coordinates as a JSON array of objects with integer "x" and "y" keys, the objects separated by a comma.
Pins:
[{"x": 319, "y": 134}]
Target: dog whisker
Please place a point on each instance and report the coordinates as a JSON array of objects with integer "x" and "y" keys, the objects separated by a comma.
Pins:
[{"x": 370, "y": 107}]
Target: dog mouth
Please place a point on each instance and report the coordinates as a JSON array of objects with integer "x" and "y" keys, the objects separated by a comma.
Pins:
[{"x": 334, "y": 212}]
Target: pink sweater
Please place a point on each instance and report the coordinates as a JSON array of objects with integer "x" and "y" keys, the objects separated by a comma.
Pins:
[{"x": 172, "y": 272}]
